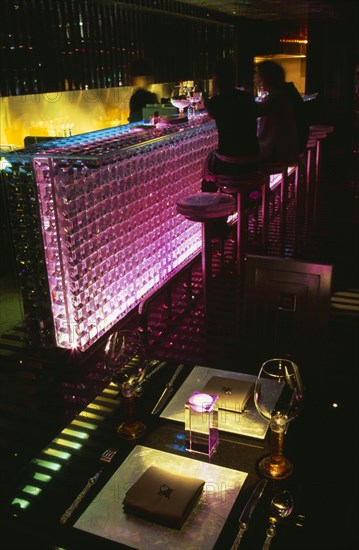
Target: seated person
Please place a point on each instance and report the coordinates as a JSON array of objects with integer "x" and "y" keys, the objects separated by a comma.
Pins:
[
  {"x": 283, "y": 129},
  {"x": 235, "y": 114},
  {"x": 141, "y": 96}
]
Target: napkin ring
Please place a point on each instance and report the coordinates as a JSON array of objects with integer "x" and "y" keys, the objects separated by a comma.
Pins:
[{"x": 165, "y": 491}]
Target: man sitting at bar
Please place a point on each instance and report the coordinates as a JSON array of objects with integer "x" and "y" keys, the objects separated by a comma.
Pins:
[
  {"x": 283, "y": 128},
  {"x": 141, "y": 96},
  {"x": 235, "y": 114}
]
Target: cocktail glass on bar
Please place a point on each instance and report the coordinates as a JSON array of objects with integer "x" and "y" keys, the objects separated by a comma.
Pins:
[{"x": 179, "y": 98}]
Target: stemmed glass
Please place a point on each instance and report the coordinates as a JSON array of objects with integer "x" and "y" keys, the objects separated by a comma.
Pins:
[
  {"x": 179, "y": 98},
  {"x": 194, "y": 96},
  {"x": 125, "y": 362},
  {"x": 278, "y": 398}
]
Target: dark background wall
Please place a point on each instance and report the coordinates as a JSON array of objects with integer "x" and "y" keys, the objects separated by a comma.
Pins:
[
  {"x": 58, "y": 45},
  {"x": 70, "y": 44}
]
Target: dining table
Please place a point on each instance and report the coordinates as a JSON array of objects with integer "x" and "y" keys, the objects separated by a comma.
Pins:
[{"x": 320, "y": 485}]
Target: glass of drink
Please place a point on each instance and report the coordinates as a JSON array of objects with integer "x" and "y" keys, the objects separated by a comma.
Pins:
[
  {"x": 194, "y": 96},
  {"x": 179, "y": 98}
]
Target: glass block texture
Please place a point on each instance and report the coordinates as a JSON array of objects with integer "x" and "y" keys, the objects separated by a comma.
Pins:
[{"x": 110, "y": 230}]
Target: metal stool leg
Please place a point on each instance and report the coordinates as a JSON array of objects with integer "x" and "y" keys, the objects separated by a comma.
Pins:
[
  {"x": 297, "y": 208},
  {"x": 265, "y": 215},
  {"x": 308, "y": 214},
  {"x": 283, "y": 211},
  {"x": 206, "y": 262},
  {"x": 241, "y": 244},
  {"x": 318, "y": 156}
]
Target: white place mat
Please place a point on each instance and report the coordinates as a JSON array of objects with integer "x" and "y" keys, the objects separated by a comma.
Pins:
[
  {"x": 104, "y": 516},
  {"x": 248, "y": 423}
]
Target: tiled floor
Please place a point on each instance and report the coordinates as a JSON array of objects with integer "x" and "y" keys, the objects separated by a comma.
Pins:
[{"x": 41, "y": 391}]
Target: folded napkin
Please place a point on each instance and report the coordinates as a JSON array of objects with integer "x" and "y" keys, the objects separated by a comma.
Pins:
[
  {"x": 233, "y": 394},
  {"x": 163, "y": 497}
]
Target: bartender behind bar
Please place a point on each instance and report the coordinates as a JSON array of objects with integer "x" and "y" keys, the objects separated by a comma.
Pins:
[{"x": 141, "y": 96}]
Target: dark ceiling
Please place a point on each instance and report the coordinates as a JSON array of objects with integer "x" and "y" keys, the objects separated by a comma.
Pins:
[{"x": 281, "y": 10}]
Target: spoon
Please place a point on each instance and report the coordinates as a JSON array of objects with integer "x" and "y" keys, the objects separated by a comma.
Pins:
[{"x": 281, "y": 507}]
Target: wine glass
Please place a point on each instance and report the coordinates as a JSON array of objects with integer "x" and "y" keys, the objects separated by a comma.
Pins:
[
  {"x": 278, "y": 397},
  {"x": 125, "y": 363},
  {"x": 179, "y": 97},
  {"x": 194, "y": 96}
]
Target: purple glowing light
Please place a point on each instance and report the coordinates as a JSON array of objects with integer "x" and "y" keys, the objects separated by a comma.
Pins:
[{"x": 110, "y": 227}]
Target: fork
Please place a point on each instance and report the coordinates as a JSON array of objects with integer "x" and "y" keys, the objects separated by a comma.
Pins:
[{"x": 106, "y": 457}]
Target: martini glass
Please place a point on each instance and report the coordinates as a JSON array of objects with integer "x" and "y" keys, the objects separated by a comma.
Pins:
[{"x": 179, "y": 98}]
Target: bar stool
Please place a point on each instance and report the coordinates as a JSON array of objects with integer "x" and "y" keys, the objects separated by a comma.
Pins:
[
  {"x": 318, "y": 133},
  {"x": 204, "y": 208},
  {"x": 272, "y": 169},
  {"x": 310, "y": 181},
  {"x": 239, "y": 185}
]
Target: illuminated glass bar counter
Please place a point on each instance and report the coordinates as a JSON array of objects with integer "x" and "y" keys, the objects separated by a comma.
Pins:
[{"x": 95, "y": 226}]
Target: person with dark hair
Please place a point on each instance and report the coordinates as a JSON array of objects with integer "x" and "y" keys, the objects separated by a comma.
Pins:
[
  {"x": 235, "y": 115},
  {"x": 283, "y": 127},
  {"x": 141, "y": 96}
]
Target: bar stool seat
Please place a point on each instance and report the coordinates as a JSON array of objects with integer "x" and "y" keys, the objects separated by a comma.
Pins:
[
  {"x": 206, "y": 207},
  {"x": 327, "y": 128}
]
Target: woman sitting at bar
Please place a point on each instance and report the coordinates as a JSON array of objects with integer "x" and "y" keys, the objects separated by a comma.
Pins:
[
  {"x": 283, "y": 128},
  {"x": 235, "y": 114}
]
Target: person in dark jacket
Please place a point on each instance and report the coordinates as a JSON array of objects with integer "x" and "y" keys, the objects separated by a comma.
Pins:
[
  {"x": 283, "y": 129},
  {"x": 235, "y": 115},
  {"x": 141, "y": 95}
]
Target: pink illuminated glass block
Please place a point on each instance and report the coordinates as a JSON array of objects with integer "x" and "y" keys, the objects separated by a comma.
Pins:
[
  {"x": 109, "y": 223},
  {"x": 201, "y": 423}
]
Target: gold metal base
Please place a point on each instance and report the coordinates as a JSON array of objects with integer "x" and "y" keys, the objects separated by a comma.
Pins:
[
  {"x": 131, "y": 430},
  {"x": 275, "y": 470}
]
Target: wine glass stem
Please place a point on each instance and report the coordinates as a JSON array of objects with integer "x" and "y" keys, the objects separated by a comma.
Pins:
[
  {"x": 129, "y": 408},
  {"x": 277, "y": 441}
]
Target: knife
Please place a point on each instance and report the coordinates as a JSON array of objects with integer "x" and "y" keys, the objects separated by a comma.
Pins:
[
  {"x": 147, "y": 376},
  {"x": 248, "y": 510},
  {"x": 167, "y": 391}
]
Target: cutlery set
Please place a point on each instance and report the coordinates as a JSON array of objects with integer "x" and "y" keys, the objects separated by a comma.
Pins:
[
  {"x": 106, "y": 457},
  {"x": 108, "y": 454},
  {"x": 281, "y": 507},
  {"x": 167, "y": 392}
]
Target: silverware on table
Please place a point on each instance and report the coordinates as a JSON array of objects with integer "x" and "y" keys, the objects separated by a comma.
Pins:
[
  {"x": 106, "y": 457},
  {"x": 248, "y": 510},
  {"x": 281, "y": 507},
  {"x": 166, "y": 392},
  {"x": 147, "y": 375}
]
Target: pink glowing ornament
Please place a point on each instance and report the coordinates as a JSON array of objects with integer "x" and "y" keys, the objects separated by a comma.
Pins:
[{"x": 201, "y": 423}]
